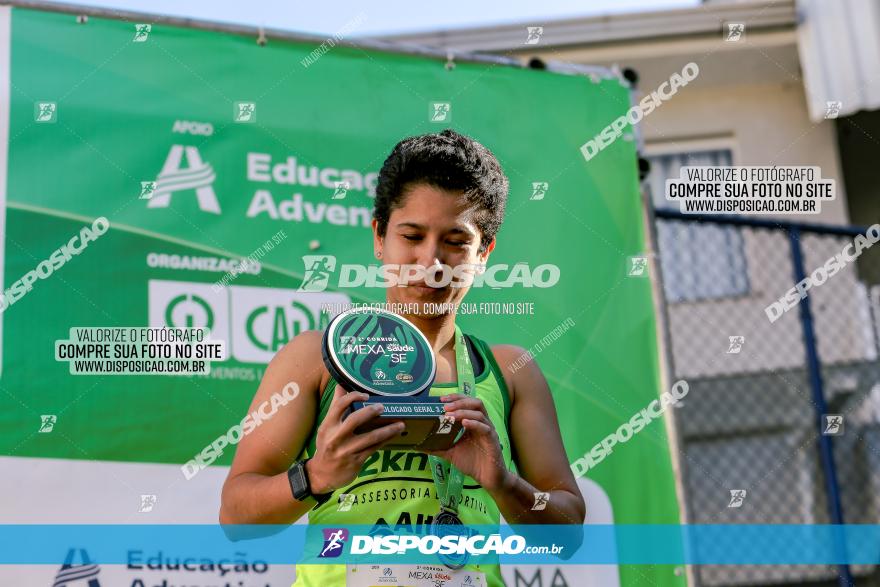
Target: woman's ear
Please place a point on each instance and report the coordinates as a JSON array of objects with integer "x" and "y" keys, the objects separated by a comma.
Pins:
[
  {"x": 484, "y": 256},
  {"x": 378, "y": 241}
]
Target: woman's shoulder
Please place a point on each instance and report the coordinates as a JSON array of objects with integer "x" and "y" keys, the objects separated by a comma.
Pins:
[
  {"x": 507, "y": 353},
  {"x": 306, "y": 344},
  {"x": 302, "y": 355}
]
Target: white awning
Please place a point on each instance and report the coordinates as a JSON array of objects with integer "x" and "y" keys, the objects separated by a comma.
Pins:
[{"x": 839, "y": 46}]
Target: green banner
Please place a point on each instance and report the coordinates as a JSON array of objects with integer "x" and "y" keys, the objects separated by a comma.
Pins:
[{"x": 203, "y": 149}]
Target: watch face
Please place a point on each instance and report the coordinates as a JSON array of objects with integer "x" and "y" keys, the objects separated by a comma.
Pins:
[
  {"x": 297, "y": 477},
  {"x": 378, "y": 352}
]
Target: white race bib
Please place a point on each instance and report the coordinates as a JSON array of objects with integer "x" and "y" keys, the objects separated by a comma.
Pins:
[{"x": 411, "y": 576}]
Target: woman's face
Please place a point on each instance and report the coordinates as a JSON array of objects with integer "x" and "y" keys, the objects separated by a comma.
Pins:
[{"x": 432, "y": 228}]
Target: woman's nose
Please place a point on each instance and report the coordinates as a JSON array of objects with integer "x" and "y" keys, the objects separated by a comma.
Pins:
[{"x": 429, "y": 256}]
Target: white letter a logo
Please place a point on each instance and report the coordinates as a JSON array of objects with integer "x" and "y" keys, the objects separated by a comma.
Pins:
[{"x": 198, "y": 176}]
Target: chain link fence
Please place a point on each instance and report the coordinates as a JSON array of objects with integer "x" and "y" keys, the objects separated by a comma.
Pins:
[{"x": 782, "y": 423}]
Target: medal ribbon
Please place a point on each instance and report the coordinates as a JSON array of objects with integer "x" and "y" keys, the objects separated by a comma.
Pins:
[{"x": 447, "y": 479}]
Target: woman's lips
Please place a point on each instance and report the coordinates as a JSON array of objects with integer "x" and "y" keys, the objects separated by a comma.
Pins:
[{"x": 423, "y": 287}]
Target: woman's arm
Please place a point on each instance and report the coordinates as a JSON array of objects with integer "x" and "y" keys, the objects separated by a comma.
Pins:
[
  {"x": 257, "y": 490},
  {"x": 536, "y": 442},
  {"x": 541, "y": 459}
]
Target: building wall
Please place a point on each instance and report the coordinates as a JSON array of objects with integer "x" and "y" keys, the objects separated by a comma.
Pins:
[
  {"x": 767, "y": 124},
  {"x": 762, "y": 124}
]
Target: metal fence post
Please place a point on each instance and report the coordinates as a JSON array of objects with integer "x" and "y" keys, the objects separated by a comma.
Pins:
[{"x": 845, "y": 578}]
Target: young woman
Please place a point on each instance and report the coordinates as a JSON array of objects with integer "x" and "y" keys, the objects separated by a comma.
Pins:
[{"x": 440, "y": 200}]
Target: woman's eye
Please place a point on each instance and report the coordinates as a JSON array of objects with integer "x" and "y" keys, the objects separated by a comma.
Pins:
[
  {"x": 458, "y": 243},
  {"x": 412, "y": 237}
]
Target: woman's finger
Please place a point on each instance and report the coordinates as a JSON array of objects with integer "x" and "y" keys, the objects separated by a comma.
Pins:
[
  {"x": 369, "y": 441},
  {"x": 365, "y": 453},
  {"x": 475, "y": 426},
  {"x": 458, "y": 415},
  {"x": 341, "y": 401},
  {"x": 359, "y": 417},
  {"x": 467, "y": 403}
]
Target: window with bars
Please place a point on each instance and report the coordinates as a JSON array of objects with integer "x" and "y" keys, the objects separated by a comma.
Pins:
[{"x": 699, "y": 261}]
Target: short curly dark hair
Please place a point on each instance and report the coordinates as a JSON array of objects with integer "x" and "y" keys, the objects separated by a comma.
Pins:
[{"x": 450, "y": 161}]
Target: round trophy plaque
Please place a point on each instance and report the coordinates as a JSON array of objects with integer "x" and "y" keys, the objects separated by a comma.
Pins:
[{"x": 378, "y": 352}]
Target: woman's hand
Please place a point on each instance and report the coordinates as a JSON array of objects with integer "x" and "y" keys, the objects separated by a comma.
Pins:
[
  {"x": 339, "y": 451},
  {"x": 478, "y": 452}
]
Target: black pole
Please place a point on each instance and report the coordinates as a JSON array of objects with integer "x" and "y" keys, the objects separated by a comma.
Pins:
[{"x": 826, "y": 454}]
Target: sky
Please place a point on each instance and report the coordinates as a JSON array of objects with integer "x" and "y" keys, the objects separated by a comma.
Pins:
[{"x": 386, "y": 16}]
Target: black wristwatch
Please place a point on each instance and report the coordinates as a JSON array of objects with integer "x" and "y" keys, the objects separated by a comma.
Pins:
[{"x": 300, "y": 486}]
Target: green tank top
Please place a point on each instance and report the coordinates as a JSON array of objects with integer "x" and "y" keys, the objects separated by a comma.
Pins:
[{"x": 395, "y": 489}]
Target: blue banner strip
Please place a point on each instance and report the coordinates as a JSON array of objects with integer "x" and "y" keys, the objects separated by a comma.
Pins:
[{"x": 524, "y": 544}]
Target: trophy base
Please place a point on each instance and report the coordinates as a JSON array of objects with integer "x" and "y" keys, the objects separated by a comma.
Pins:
[{"x": 427, "y": 426}]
